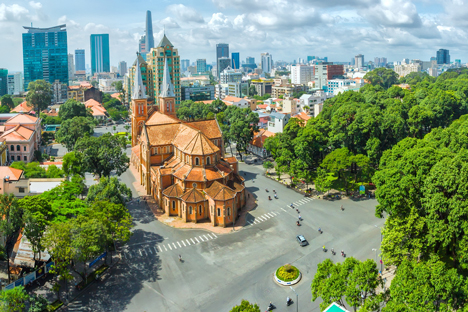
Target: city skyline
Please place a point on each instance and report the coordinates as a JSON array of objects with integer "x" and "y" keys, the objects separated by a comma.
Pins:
[{"x": 394, "y": 29}]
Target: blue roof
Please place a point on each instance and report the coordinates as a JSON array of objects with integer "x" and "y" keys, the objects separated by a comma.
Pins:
[
  {"x": 278, "y": 115},
  {"x": 335, "y": 308}
]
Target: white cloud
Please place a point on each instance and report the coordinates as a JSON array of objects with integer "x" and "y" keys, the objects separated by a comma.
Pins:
[
  {"x": 35, "y": 5},
  {"x": 185, "y": 14},
  {"x": 393, "y": 13},
  {"x": 168, "y": 23},
  {"x": 12, "y": 12}
]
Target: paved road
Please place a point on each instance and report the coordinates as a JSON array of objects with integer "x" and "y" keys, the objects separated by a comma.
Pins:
[{"x": 218, "y": 271}]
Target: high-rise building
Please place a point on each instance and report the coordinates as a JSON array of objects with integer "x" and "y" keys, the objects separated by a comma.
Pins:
[
  {"x": 458, "y": 62},
  {"x": 15, "y": 83},
  {"x": 45, "y": 54},
  {"x": 222, "y": 50},
  {"x": 100, "y": 58},
  {"x": 302, "y": 74},
  {"x": 443, "y": 56},
  {"x": 310, "y": 58},
  {"x": 149, "y": 38},
  {"x": 235, "y": 60},
  {"x": 142, "y": 45},
  {"x": 201, "y": 65},
  {"x": 3, "y": 81},
  {"x": 223, "y": 63},
  {"x": 184, "y": 64},
  {"x": 71, "y": 67},
  {"x": 359, "y": 61},
  {"x": 250, "y": 60},
  {"x": 266, "y": 62},
  {"x": 80, "y": 63},
  {"x": 122, "y": 68},
  {"x": 380, "y": 61}
]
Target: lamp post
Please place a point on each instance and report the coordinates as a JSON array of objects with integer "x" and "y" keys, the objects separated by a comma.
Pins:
[
  {"x": 375, "y": 249},
  {"x": 297, "y": 299},
  {"x": 381, "y": 237}
]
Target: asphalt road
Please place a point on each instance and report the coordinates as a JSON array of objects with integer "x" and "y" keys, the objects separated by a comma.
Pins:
[{"x": 218, "y": 271}]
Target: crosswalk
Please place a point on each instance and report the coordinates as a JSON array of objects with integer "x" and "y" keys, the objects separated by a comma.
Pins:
[
  {"x": 148, "y": 249},
  {"x": 262, "y": 218},
  {"x": 301, "y": 202}
]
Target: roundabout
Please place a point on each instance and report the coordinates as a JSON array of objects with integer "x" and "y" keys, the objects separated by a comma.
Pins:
[{"x": 287, "y": 275}]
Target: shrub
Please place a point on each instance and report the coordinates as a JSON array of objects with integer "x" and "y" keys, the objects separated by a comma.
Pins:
[{"x": 287, "y": 273}]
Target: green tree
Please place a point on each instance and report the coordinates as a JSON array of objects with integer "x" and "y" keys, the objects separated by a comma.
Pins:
[
  {"x": 11, "y": 219},
  {"x": 72, "y": 108},
  {"x": 352, "y": 281},
  {"x": 73, "y": 129},
  {"x": 243, "y": 123},
  {"x": 54, "y": 172},
  {"x": 384, "y": 77},
  {"x": 324, "y": 180},
  {"x": 104, "y": 154},
  {"x": 37, "y": 303},
  {"x": 252, "y": 91},
  {"x": 246, "y": 306},
  {"x": 109, "y": 188},
  {"x": 39, "y": 95},
  {"x": 31, "y": 170},
  {"x": 7, "y": 101},
  {"x": 73, "y": 164},
  {"x": 267, "y": 165},
  {"x": 13, "y": 300}
]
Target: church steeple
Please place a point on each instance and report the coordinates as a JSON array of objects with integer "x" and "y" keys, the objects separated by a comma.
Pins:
[
  {"x": 167, "y": 95},
  {"x": 138, "y": 87}
]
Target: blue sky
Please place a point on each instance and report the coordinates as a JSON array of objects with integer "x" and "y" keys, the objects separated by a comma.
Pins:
[{"x": 288, "y": 29}]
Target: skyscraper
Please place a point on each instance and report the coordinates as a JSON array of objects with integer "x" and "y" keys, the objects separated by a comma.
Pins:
[
  {"x": 222, "y": 50},
  {"x": 250, "y": 60},
  {"x": 3, "y": 81},
  {"x": 100, "y": 59},
  {"x": 149, "y": 38},
  {"x": 71, "y": 66},
  {"x": 45, "y": 54},
  {"x": 223, "y": 63},
  {"x": 235, "y": 60},
  {"x": 359, "y": 61},
  {"x": 201, "y": 65},
  {"x": 267, "y": 62},
  {"x": 184, "y": 64},
  {"x": 80, "y": 63},
  {"x": 443, "y": 56},
  {"x": 122, "y": 68}
]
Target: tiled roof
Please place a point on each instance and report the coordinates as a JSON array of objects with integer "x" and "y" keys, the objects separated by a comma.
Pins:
[
  {"x": 14, "y": 174},
  {"x": 260, "y": 137},
  {"x": 207, "y": 127},
  {"x": 182, "y": 171},
  {"x": 196, "y": 174},
  {"x": 22, "y": 108},
  {"x": 212, "y": 174},
  {"x": 18, "y": 133},
  {"x": 136, "y": 151},
  {"x": 303, "y": 116},
  {"x": 21, "y": 119},
  {"x": 173, "y": 191},
  {"x": 235, "y": 186},
  {"x": 98, "y": 111},
  {"x": 232, "y": 99},
  {"x": 224, "y": 168},
  {"x": 162, "y": 135},
  {"x": 91, "y": 103},
  {"x": 193, "y": 142},
  {"x": 193, "y": 196},
  {"x": 231, "y": 160},
  {"x": 217, "y": 191},
  {"x": 160, "y": 119},
  {"x": 115, "y": 95}
]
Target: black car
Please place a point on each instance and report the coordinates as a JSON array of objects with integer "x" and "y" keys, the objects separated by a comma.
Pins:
[{"x": 301, "y": 240}]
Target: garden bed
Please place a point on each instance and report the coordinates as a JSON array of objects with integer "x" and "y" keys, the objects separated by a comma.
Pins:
[{"x": 287, "y": 275}]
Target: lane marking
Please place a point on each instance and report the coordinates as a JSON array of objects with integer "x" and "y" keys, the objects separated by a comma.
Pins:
[
  {"x": 160, "y": 250},
  {"x": 188, "y": 242},
  {"x": 262, "y": 218},
  {"x": 210, "y": 236},
  {"x": 201, "y": 238},
  {"x": 214, "y": 235},
  {"x": 169, "y": 245},
  {"x": 141, "y": 254},
  {"x": 206, "y": 237},
  {"x": 179, "y": 245},
  {"x": 271, "y": 214},
  {"x": 283, "y": 210},
  {"x": 149, "y": 248},
  {"x": 174, "y": 246},
  {"x": 183, "y": 243},
  {"x": 193, "y": 241},
  {"x": 266, "y": 216},
  {"x": 197, "y": 240},
  {"x": 256, "y": 222}
]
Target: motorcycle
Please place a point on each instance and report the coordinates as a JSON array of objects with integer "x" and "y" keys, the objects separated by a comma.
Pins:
[
  {"x": 269, "y": 197},
  {"x": 333, "y": 252},
  {"x": 289, "y": 302},
  {"x": 266, "y": 190},
  {"x": 298, "y": 223},
  {"x": 271, "y": 307}
]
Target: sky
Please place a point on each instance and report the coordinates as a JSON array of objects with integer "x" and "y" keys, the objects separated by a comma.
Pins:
[{"x": 287, "y": 29}]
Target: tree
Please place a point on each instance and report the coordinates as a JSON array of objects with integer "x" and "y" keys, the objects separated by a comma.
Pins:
[
  {"x": 324, "y": 180},
  {"x": 72, "y": 108},
  {"x": 7, "y": 101},
  {"x": 242, "y": 125},
  {"x": 13, "y": 300},
  {"x": 73, "y": 129},
  {"x": 39, "y": 95},
  {"x": 54, "y": 172},
  {"x": 73, "y": 164},
  {"x": 10, "y": 221},
  {"x": 252, "y": 91},
  {"x": 246, "y": 306},
  {"x": 109, "y": 189},
  {"x": 104, "y": 154},
  {"x": 384, "y": 77},
  {"x": 267, "y": 165},
  {"x": 352, "y": 281},
  {"x": 31, "y": 170},
  {"x": 118, "y": 85},
  {"x": 37, "y": 303}
]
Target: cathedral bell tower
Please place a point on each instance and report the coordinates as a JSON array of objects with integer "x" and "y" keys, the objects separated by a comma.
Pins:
[
  {"x": 139, "y": 104},
  {"x": 167, "y": 96}
]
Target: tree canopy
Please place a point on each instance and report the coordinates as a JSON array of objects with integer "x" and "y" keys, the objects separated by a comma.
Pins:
[
  {"x": 73, "y": 129},
  {"x": 7, "y": 101},
  {"x": 72, "y": 108},
  {"x": 39, "y": 94}
]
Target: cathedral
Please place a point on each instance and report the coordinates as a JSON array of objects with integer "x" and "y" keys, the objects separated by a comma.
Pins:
[{"x": 182, "y": 164}]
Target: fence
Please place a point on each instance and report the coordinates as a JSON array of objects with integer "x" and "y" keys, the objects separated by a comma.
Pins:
[{"x": 31, "y": 277}]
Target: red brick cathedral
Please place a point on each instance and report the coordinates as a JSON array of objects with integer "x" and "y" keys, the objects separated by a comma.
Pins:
[{"x": 182, "y": 164}]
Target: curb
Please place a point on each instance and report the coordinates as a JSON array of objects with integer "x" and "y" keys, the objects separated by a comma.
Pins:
[{"x": 282, "y": 283}]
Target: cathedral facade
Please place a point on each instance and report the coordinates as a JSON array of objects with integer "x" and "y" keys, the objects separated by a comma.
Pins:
[{"x": 182, "y": 164}]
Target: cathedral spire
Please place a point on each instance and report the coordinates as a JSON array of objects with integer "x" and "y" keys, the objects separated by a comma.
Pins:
[
  {"x": 138, "y": 87},
  {"x": 167, "y": 88}
]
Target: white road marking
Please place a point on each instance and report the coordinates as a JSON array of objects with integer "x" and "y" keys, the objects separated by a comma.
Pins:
[
  {"x": 214, "y": 235},
  {"x": 160, "y": 250},
  {"x": 209, "y": 236},
  {"x": 174, "y": 246},
  {"x": 193, "y": 241},
  {"x": 197, "y": 240},
  {"x": 283, "y": 209},
  {"x": 169, "y": 245},
  {"x": 206, "y": 237},
  {"x": 188, "y": 242},
  {"x": 266, "y": 216},
  {"x": 256, "y": 222},
  {"x": 262, "y": 218},
  {"x": 141, "y": 254},
  {"x": 149, "y": 248},
  {"x": 179, "y": 245},
  {"x": 183, "y": 243},
  {"x": 271, "y": 214},
  {"x": 201, "y": 238}
]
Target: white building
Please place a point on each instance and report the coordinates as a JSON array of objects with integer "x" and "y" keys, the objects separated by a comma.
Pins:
[
  {"x": 359, "y": 61},
  {"x": 105, "y": 85},
  {"x": 235, "y": 101},
  {"x": 433, "y": 72},
  {"x": 15, "y": 83},
  {"x": 230, "y": 75},
  {"x": 71, "y": 67},
  {"x": 302, "y": 74},
  {"x": 221, "y": 90},
  {"x": 312, "y": 100},
  {"x": 235, "y": 88},
  {"x": 278, "y": 122},
  {"x": 320, "y": 76},
  {"x": 405, "y": 69},
  {"x": 291, "y": 105},
  {"x": 266, "y": 62},
  {"x": 338, "y": 83}
]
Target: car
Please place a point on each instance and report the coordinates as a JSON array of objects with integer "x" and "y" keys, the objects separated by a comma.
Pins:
[{"x": 301, "y": 240}]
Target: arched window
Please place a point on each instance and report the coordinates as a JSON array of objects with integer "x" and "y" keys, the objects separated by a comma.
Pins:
[
  {"x": 190, "y": 209},
  {"x": 219, "y": 212},
  {"x": 208, "y": 160},
  {"x": 197, "y": 161},
  {"x": 199, "y": 210},
  {"x": 18, "y": 148},
  {"x": 173, "y": 205},
  {"x": 12, "y": 148}
]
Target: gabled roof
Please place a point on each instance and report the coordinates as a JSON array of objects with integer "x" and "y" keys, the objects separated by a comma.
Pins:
[
  {"x": 235, "y": 186},
  {"x": 260, "y": 137},
  {"x": 21, "y": 119},
  {"x": 14, "y": 174},
  {"x": 173, "y": 191},
  {"x": 193, "y": 142},
  {"x": 209, "y": 128},
  {"x": 160, "y": 119},
  {"x": 22, "y": 108},
  {"x": 217, "y": 191},
  {"x": 165, "y": 42},
  {"x": 18, "y": 133},
  {"x": 162, "y": 135},
  {"x": 233, "y": 99},
  {"x": 193, "y": 196},
  {"x": 91, "y": 102}
]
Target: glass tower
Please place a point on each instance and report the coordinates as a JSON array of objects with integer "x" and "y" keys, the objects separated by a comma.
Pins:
[
  {"x": 100, "y": 59},
  {"x": 443, "y": 56},
  {"x": 3, "y": 81},
  {"x": 235, "y": 59},
  {"x": 45, "y": 54},
  {"x": 80, "y": 63}
]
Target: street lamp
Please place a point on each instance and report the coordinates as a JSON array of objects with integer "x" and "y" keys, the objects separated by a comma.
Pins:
[
  {"x": 381, "y": 262},
  {"x": 375, "y": 249},
  {"x": 297, "y": 299}
]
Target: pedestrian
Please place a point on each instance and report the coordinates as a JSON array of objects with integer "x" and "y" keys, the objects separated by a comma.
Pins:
[{"x": 138, "y": 201}]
